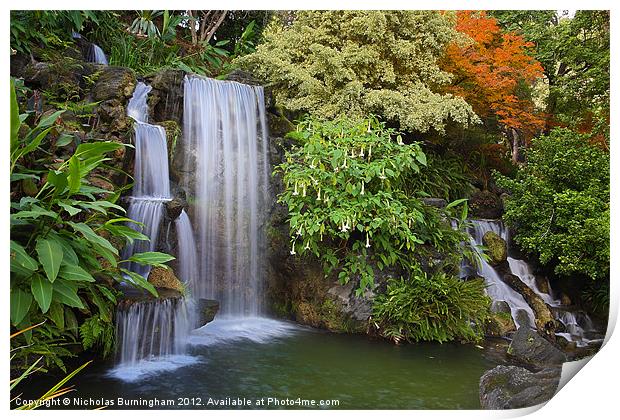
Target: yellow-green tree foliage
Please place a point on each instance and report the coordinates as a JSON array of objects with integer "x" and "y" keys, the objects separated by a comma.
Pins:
[{"x": 360, "y": 62}]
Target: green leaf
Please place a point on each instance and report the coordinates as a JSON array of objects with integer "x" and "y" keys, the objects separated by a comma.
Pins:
[
  {"x": 50, "y": 256},
  {"x": 75, "y": 273},
  {"x": 67, "y": 295},
  {"x": 58, "y": 179},
  {"x": 69, "y": 255},
  {"x": 140, "y": 281},
  {"x": 21, "y": 262},
  {"x": 15, "y": 121},
  {"x": 49, "y": 120},
  {"x": 56, "y": 314},
  {"x": 34, "y": 213},
  {"x": 456, "y": 203},
  {"x": 151, "y": 258},
  {"x": 20, "y": 304},
  {"x": 64, "y": 140},
  {"x": 88, "y": 150},
  {"x": 92, "y": 237},
  {"x": 75, "y": 177},
  {"x": 42, "y": 291},
  {"x": 69, "y": 209}
]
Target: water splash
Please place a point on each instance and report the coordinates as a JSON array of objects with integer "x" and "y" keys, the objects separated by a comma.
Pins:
[{"x": 225, "y": 148}]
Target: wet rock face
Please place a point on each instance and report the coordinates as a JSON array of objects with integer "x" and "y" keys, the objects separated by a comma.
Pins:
[
  {"x": 439, "y": 203},
  {"x": 497, "y": 249},
  {"x": 507, "y": 387},
  {"x": 358, "y": 308},
  {"x": 166, "y": 98},
  {"x": 530, "y": 349},
  {"x": 499, "y": 325},
  {"x": 174, "y": 207},
  {"x": 486, "y": 205},
  {"x": 207, "y": 309},
  {"x": 545, "y": 321},
  {"x": 114, "y": 83}
]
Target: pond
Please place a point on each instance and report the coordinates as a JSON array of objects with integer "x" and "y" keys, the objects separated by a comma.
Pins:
[{"x": 234, "y": 363}]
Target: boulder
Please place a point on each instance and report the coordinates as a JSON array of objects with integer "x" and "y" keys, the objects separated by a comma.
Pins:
[
  {"x": 114, "y": 83},
  {"x": 530, "y": 349},
  {"x": 166, "y": 98},
  {"x": 497, "y": 249},
  {"x": 164, "y": 278},
  {"x": 358, "y": 308},
  {"x": 499, "y": 325},
  {"x": 207, "y": 309},
  {"x": 486, "y": 205},
  {"x": 174, "y": 207},
  {"x": 545, "y": 322},
  {"x": 507, "y": 387}
]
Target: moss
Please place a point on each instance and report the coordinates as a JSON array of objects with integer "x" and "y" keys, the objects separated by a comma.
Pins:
[
  {"x": 497, "y": 249},
  {"x": 173, "y": 131}
]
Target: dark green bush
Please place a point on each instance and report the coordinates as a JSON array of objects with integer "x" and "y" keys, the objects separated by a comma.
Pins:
[{"x": 432, "y": 308}]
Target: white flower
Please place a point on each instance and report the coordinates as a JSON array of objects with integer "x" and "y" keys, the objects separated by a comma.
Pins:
[
  {"x": 362, "y": 192},
  {"x": 367, "y": 240},
  {"x": 319, "y": 195},
  {"x": 369, "y": 151},
  {"x": 307, "y": 245},
  {"x": 304, "y": 191},
  {"x": 382, "y": 176},
  {"x": 295, "y": 192},
  {"x": 368, "y": 126},
  {"x": 362, "y": 152},
  {"x": 293, "y": 249}
]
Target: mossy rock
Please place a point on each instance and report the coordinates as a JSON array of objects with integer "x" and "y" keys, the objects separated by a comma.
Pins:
[
  {"x": 497, "y": 250},
  {"x": 173, "y": 131},
  {"x": 164, "y": 278},
  {"x": 499, "y": 325}
]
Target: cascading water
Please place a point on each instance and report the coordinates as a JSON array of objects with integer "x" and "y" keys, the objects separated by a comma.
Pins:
[
  {"x": 496, "y": 288},
  {"x": 96, "y": 55},
  {"x": 578, "y": 325},
  {"x": 151, "y": 181},
  {"x": 154, "y": 332},
  {"x": 225, "y": 150}
]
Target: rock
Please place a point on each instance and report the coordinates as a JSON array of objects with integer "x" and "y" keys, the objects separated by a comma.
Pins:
[
  {"x": 357, "y": 307},
  {"x": 279, "y": 125},
  {"x": 499, "y": 325},
  {"x": 497, "y": 249},
  {"x": 486, "y": 205},
  {"x": 173, "y": 131},
  {"x": 565, "y": 299},
  {"x": 500, "y": 306},
  {"x": 174, "y": 207},
  {"x": 507, "y": 387},
  {"x": 114, "y": 83},
  {"x": 530, "y": 349},
  {"x": 245, "y": 77},
  {"x": 113, "y": 117},
  {"x": 440, "y": 203},
  {"x": 166, "y": 98},
  {"x": 164, "y": 278},
  {"x": 207, "y": 309},
  {"x": 543, "y": 284},
  {"x": 545, "y": 322}
]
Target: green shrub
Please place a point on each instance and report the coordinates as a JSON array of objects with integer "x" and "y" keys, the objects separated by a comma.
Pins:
[
  {"x": 432, "y": 308},
  {"x": 65, "y": 237},
  {"x": 356, "y": 62},
  {"x": 559, "y": 204},
  {"x": 344, "y": 186}
]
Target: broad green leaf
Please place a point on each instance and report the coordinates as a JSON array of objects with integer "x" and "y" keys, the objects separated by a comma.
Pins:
[
  {"x": 50, "y": 256},
  {"x": 88, "y": 150},
  {"x": 19, "y": 176},
  {"x": 69, "y": 255},
  {"x": 92, "y": 237},
  {"x": 140, "y": 281},
  {"x": 75, "y": 273},
  {"x": 56, "y": 314},
  {"x": 34, "y": 213},
  {"x": 456, "y": 203},
  {"x": 126, "y": 232},
  {"x": 58, "y": 179},
  {"x": 49, "y": 120},
  {"x": 15, "y": 121},
  {"x": 74, "y": 179},
  {"x": 64, "y": 140},
  {"x": 21, "y": 262},
  {"x": 42, "y": 291},
  {"x": 66, "y": 294},
  {"x": 69, "y": 209},
  {"x": 20, "y": 304},
  {"x": 151, "y": 258},
  {"x": 17, "y": 153}
]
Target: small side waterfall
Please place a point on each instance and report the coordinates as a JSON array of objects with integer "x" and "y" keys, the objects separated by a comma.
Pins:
[
  {"x": 578, "y": 326},
  {"x": 153, "y": 331},
  {"x": 151, "y": 180},
  {"x": 496, "y": 288},
  {"x": 96, "y": 55},
  {"x": 225, "y": 151}
]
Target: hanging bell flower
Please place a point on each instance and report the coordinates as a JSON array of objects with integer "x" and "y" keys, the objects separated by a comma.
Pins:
[
  {"x": 367, "y": 240},
  {"x": 295, "y": 192},
  {"x": 362, "y": 192},
  {"x": 369, "y": 151},
  {"x": 368, "y": 131},
  {"x": 319, "y": 195},
  {"x": 293, "y": 249},
  {"x": 303, "y": 194},
  {"x": 362, "y": 152},
  {"x": 307, "y": 246}
]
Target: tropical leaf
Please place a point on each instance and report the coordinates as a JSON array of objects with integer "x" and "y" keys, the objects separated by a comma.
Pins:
[
  {"x": 20, "y": 304},
  {"x": 66, "y": 294},
  {"x": 50, "y": 256},
  {"x": 42, "y": 291},
  {"x": 75, "y": 273}
]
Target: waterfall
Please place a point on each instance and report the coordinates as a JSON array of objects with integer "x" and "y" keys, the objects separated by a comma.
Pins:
[
  {"x": 96, "y": 55},
  {"x": 154, "y": 329},
  {"x": 151, "y": 180},
  {"x": 226, "y": 153},
  {"x": 496, "y": 288}
]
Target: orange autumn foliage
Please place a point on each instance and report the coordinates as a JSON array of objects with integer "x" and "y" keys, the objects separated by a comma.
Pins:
[{"x": 489, "y": 71}]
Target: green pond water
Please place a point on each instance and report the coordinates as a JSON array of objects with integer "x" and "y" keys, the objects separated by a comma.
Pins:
[{"x": 232, "y": 361}]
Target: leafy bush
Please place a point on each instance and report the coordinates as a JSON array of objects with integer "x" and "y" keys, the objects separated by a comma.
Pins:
[
  {"x": 65, "y": 235},
  {"x": 425, "y": 308},
  {"x": 329, "y": 63},
  {"x": 344, "y": 186},
  {"x": 559, "y": 204}
]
